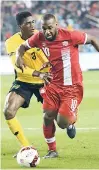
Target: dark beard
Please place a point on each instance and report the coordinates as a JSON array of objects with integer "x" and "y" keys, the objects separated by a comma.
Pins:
[{"x": 53, "y": 38}]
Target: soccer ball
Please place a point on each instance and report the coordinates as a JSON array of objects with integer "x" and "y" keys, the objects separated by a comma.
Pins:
[{"x": 28, "y": 156}]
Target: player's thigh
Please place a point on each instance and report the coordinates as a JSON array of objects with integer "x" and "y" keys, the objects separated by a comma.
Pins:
[
  {"x": 50, "y": 103},
  {"x": 13, "y": 102},
  {"x": 69, "y": 107},
  {"x": 49, "y": 112},
  {"x": 24, "y": 90},
  {"x": 66, "y": 115},
  {"x": 50, "y": 98}
]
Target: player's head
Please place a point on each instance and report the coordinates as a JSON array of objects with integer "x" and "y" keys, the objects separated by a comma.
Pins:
[
  {"x": 49, "y": 26},
  {"x": 26, "y": 22}
]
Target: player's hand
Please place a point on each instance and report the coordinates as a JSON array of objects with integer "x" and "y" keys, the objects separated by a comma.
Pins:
[
  {"x": 20, "y": 63},
  {"x": 46, "y": 77},
  {"x": 45, "y": 65}
]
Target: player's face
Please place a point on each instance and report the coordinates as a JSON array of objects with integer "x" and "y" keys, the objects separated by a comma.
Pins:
[
  {"x": 27, "y": 27},
  {"x": 49, "y": 29}
]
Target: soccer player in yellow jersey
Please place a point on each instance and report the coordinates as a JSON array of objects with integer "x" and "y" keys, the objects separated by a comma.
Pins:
[{"x": 25, "y": 84}]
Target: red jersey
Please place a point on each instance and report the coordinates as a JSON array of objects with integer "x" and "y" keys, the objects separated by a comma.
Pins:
[{"x": 63, "y": 55}]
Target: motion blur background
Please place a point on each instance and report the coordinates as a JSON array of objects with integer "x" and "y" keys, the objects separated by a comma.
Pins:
[{"x": 82, "y": 15}]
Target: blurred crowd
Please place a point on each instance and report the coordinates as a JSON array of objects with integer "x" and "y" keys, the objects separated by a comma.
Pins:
[{"x": 79, "y": 14}]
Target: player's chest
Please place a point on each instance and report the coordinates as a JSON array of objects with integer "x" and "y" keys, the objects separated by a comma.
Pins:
[
  {"x": 32, "y": 55},
  {"x": 54, "y": 50}
]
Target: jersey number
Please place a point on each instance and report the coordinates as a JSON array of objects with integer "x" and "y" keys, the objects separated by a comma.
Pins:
[
  {"x": 46, "y": 51},
  {"x": 33, "y": 56}
]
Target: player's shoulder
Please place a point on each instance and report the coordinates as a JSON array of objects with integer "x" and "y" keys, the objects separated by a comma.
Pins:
[
  {"x": 38, "y": 36},
  {"x": 64, "y": 32},
  {"x": 70, "y": 33},
  {"x": 35, "y": 36},
  {"x": 13, "y": 38},
  {"x": 35, "y": 49},
  {"x": 76, "y": 32}
]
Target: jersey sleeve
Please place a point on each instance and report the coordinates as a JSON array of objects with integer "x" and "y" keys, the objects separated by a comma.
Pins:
[
  {"x": 78, "y": 37},
  {"x": 8, "y": 48},
  {"x": 32, "y": 41}
]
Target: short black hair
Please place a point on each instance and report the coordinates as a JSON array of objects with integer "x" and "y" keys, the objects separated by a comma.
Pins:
[
  {"x": 21, "y": 16},
  {"x": 48, "y": 16}
]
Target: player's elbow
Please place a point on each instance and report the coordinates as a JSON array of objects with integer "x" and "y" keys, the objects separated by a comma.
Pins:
[
  {"x": 93, "y": 40},
  {"x": 95, "y": 43},
  {"x": 90, "y": 39},
  {"x": 20, "y": 50}
]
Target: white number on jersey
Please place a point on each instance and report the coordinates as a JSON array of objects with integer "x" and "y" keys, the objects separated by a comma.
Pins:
[{"x": 46, "y": 51}]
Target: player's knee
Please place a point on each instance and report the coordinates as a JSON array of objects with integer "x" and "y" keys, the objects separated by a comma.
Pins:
[
  {"x": 48, "y": 117},
  {"x": 61, "y": 124},
  {"x": 9, "y": 112},
  {"x": 62, "y": 121}
]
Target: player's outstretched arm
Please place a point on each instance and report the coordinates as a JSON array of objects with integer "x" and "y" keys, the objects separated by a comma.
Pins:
[
  {"x": 43, "y": 76},
  {"x": 19, "y": 54},
  {"x": 94, "y": 41}
]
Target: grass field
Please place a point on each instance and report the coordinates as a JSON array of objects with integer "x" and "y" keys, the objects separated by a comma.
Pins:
[{"x": 79, "y": 153}]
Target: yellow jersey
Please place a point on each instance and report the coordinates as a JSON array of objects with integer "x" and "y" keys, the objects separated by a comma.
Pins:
[{"x": 34, "y": 58}]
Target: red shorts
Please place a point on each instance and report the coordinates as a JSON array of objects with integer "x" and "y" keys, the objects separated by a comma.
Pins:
[{"x": 64, "y": 99}]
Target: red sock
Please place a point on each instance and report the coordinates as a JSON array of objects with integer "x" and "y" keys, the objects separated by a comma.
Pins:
[{"x": 49, "y": 134}]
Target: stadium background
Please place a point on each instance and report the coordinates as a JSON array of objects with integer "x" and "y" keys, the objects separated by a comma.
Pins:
[{"x": 83, "y": 151}]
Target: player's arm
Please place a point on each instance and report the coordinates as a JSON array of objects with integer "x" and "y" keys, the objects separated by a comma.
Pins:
[
  {"x": 20, "y": 53},
  {"x": 12, "y": 55},
  {"x": 94, "y": 41},
  {"x": 79, "y": 38},
  {"x": 27, "y": 70},
  {"x": 29, "y": 43}
]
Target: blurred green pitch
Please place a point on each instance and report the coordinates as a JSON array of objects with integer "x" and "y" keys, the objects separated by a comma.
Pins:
[{"x": 79, "y": 153}]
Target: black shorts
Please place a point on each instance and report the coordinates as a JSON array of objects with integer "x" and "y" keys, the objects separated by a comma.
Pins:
[{"x": 26, "y": 90}]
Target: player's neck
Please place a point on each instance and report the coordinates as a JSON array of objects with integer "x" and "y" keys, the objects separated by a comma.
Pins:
[{"x": 25, "y": 36}]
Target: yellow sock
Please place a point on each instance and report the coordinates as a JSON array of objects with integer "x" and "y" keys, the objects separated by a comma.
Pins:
[{"x": 16, "y": 129}]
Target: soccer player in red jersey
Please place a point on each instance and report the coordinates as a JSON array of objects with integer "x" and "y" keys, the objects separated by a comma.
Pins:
[{"x": 64, "y": 93}]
